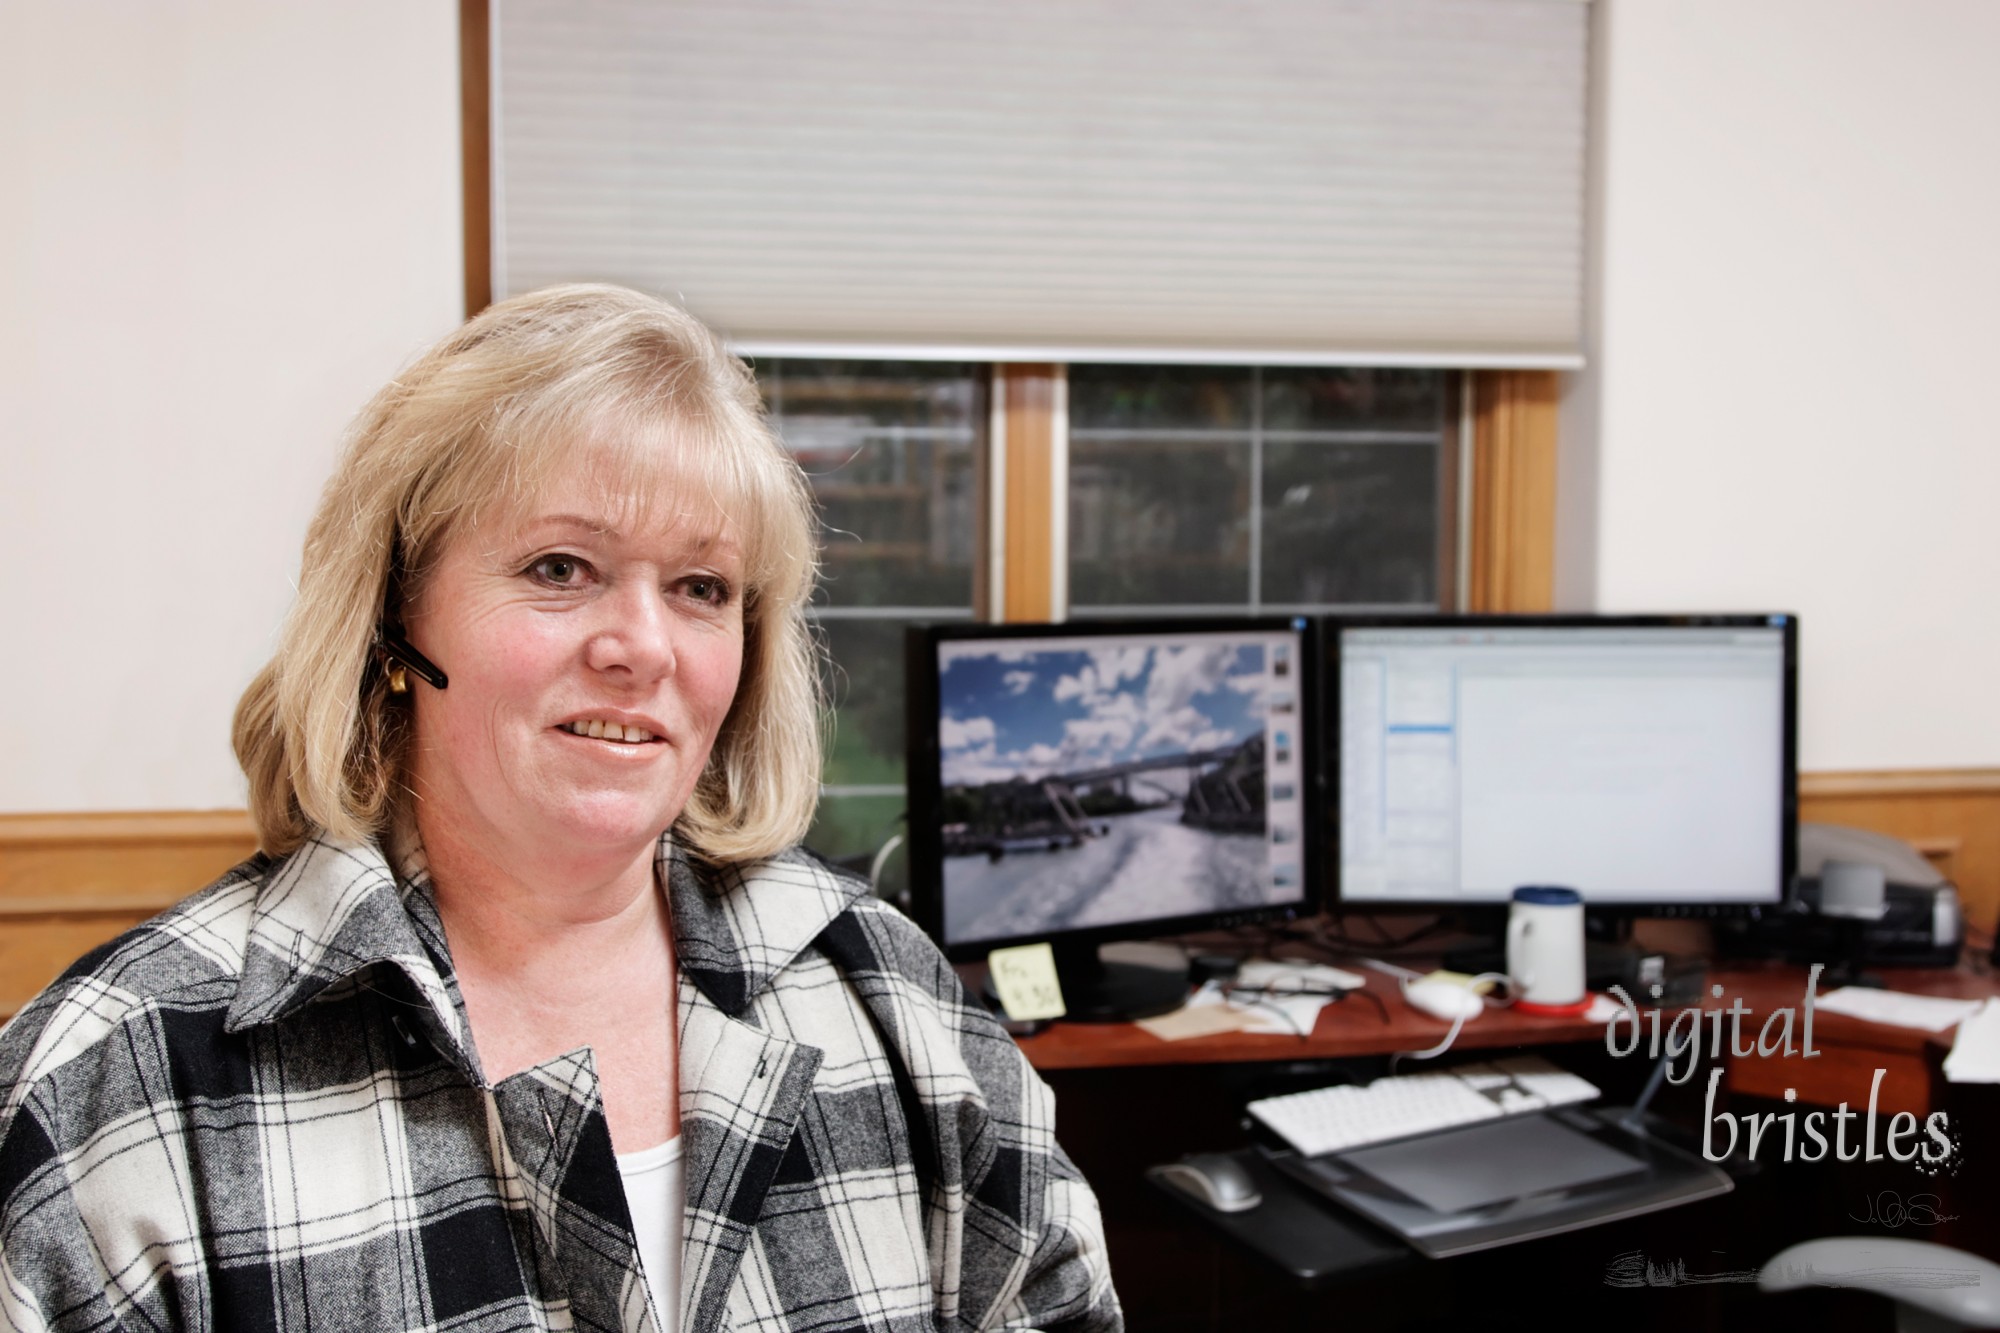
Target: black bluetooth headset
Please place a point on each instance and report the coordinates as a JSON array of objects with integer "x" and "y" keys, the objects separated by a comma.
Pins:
[{"x": 395, "y": 652}]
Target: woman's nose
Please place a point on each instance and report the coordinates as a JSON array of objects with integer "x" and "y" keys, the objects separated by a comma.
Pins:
[{"x": 635, "y": 638}]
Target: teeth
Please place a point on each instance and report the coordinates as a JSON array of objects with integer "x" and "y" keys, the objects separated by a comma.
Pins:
[{"x": 598, "y": 729}]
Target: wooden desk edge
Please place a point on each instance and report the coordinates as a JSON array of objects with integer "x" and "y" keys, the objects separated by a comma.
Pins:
[{"x": 1354, "y": 1026}]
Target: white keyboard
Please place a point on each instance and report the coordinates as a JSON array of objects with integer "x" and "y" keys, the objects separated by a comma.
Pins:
[{"x": 1333, "y": 1119}]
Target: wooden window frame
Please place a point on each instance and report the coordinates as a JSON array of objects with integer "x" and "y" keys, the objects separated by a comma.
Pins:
[
  {"x": 475, "y": 133},
  {"x": 1513, "y": 500}
]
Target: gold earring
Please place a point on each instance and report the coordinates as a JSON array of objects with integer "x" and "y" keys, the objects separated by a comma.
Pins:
[{"x": 399, "y": 680}]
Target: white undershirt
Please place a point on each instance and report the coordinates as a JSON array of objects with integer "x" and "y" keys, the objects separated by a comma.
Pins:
[{"x": 655, "y": 1198}]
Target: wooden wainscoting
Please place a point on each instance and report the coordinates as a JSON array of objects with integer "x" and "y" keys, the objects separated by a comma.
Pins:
[
  {"x": 1952, "y": 816},
  {"x": 70, "y": 882}
]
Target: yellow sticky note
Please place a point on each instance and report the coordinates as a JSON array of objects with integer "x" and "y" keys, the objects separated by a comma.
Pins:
[
  {"x": 1460, "y": 979},
  {"x": 1025, "y": 979}
]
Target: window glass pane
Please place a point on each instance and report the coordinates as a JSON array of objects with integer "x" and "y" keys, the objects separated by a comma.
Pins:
[
  {"x": 891, "y": 449},
  {"x": 851, "y": 829},
  {"x": 1239, "y": 488},
  {"x": 1159, "y": 485},
  {"x": 864, "y": 681},
  {"x": 1353, "y": 398},
  {"x": 1159, "y": 522},
  {"x": 1349, "y": 524},
  {"x": 1174, "y": 397},
  {"x": 1350, "y": 460}
]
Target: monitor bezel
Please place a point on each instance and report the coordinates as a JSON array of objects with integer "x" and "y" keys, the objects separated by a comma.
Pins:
[
  {"x": 1333, "y": 643},
  {"x": 926, "y": 791}
]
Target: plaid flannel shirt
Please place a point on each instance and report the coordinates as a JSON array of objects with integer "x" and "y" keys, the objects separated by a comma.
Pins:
[{"x": 262, "y": 1110}]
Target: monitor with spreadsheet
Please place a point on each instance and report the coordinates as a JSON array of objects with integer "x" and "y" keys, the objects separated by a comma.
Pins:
[
  {"x": 1646, "y": 761},
  {"x": 1110, "y": 780}
]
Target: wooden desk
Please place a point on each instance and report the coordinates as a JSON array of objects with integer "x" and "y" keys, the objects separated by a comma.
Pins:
[
  {"x": 1850, "y": 1049},
  {"x": 1126, "y": 1100}
]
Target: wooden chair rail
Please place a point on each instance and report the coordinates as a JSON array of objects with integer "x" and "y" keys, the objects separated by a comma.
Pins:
[{"x": 70, "y": 881}]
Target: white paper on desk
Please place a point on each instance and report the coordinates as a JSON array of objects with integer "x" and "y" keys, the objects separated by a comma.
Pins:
[
  {"x": 1190, "y": 1021},
  {"x": 1975, "y": 1055},
  {"x": 1929, "y": 1012},
  {"x": 1289, "y": 1014},
  {"x": 1602, "y": 1009},
  {"x": 1204, "y": 1014},
  {"x": 1293, "y": 1015}
]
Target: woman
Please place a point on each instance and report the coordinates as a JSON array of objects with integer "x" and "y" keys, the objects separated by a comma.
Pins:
[{"x": 531, "y": 1013}]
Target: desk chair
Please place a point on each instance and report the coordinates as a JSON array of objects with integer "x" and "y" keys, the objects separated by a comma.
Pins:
[{"x": 1935, "y": 1287}]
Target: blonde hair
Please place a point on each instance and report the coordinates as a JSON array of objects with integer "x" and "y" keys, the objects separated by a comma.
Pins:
[{"x": 492, "y": 416}]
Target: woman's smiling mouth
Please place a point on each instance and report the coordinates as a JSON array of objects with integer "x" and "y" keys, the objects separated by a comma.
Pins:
[{"x": 599, "y": 729}]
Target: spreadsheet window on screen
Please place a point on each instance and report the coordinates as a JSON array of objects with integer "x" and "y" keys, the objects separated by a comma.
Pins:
[{"x": 1635, "y": 764}]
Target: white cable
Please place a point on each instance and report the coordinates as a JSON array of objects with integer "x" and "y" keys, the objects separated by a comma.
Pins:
[
  {"x": 1436, "y": 1050},
  {"x": 1456, "y": 1023},
  {"x": 882, "y": 855},
  {"x": 1388, "y": 969}
]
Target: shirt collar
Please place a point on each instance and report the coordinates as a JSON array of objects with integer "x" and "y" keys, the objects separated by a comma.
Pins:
[
  {"x": 333, "y": 908},
  {"x": 737, "y": 926},
  {"x": 330, "y": 910}
]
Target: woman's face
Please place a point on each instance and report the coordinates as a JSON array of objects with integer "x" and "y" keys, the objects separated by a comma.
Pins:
[{"x": 591, "y": 665}]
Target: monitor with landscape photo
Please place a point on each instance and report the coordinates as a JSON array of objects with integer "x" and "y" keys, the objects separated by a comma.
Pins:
[{"x": 1106, "y": 780}]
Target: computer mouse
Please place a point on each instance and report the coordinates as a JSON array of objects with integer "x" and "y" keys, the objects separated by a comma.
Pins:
[
  {"x": 1444, "y": 1000},
  {"x": 1217, "y": 1179}
]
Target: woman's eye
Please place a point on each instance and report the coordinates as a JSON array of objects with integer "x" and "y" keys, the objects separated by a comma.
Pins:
[
  {"x": 559, "y": 571},
  {"x": 711, "y": 591}
]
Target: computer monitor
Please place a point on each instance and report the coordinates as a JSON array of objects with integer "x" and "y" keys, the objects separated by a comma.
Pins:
[
  {"x": 1088, "y": 782},
  {"x": 1647, "y": 761}
]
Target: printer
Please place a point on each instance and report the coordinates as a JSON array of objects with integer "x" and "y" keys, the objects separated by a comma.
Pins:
[{"x": 1921, "y": 926}]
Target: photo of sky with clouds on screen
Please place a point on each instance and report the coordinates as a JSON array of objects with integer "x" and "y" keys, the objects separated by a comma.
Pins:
[{"x": 1009, "y": 713}]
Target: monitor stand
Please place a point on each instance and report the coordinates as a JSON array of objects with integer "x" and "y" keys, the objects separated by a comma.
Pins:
[
  {"x": 1096, "y": 991},
  {"x": 1851, "y": 936}
]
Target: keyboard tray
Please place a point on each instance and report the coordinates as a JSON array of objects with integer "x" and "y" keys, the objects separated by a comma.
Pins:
[{"x": 1302, "y": 1232}]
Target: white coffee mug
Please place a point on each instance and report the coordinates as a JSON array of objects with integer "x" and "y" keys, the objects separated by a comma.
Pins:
[{"x": 1545, "y": 946}]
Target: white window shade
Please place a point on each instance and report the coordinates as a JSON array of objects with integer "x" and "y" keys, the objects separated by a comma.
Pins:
[{"x": 1333, "y": 181}]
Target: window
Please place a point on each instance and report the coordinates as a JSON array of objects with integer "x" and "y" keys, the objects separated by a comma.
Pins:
[
  {"x": 1196, "y": 489},
  {"x": 1248, "y": 488}
]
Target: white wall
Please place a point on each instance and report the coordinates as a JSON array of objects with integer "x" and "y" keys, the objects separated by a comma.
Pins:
[
  {"x": 1791, "y": 401},
  {"x": 222, "y": 226}
]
